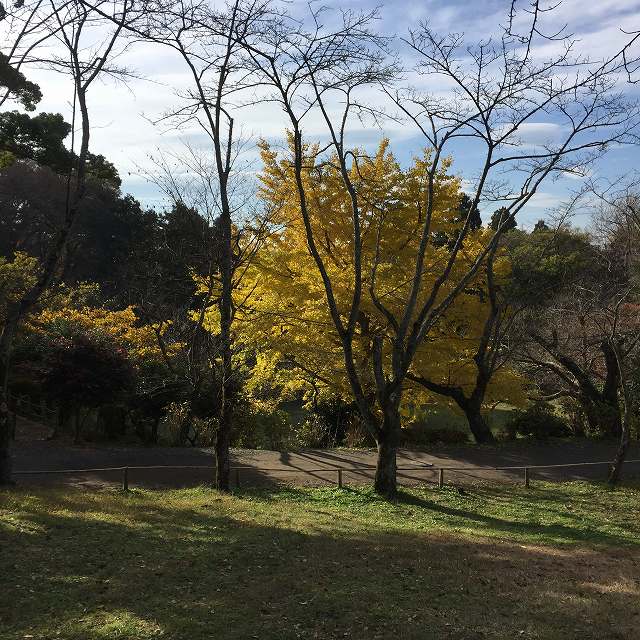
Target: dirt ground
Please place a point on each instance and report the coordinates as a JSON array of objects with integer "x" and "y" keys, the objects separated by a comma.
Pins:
[{"x": 33, "y": 452}]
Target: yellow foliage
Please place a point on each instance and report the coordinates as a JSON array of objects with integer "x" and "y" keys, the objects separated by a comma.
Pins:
[
  {"x": 281, "y": 308},
  {"x": 16, "y": 278},
  {"x": 120, "y": 327}
]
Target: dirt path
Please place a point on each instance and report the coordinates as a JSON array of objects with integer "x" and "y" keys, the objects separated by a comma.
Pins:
[{"x": 315, "y": 467}]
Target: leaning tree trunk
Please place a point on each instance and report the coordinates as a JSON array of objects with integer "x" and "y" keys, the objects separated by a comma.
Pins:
[
  {"x": 621, "y": 454},
  {"x": 480, "y": 430},
  {"x": 625, "y": 429}
]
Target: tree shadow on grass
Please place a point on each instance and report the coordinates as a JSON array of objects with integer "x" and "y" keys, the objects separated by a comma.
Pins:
[
  {"x": 473, "y": 510},
  {"x": 204, "y": 566}
]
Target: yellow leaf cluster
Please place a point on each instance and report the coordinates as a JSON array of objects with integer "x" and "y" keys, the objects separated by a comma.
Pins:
[
  {"x": 120, "y": 327},
  {"x": 281, "y": 307}
]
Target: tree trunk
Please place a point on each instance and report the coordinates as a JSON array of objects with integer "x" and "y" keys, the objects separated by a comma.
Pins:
[
  {"x": 621, "y": 454},
  {"x": 625, "y": 428},
  {"x": 185, "y": 427},
  {"x": 154, "y": 430},
  {"x": 386, "y": 483},
  {"x": 612, "y": 421},
  {"x": 223, "y": 437},
  {"x": 5, "y": 440},
  {"x": 78, "y": 426},
  {"x": 223, "y": 463},
  {"x": 477, "y": 424}
]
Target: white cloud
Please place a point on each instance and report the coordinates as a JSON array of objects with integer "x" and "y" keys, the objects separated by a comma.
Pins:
[{"x": 121, "y": 117}]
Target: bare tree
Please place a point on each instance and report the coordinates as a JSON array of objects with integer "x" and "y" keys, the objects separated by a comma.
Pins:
[
  {"x": 189, "y": 179},
  {"x": 207, "y": 39},
  {"x": 71, "y": 25},
  {"x": 617, "y": 228},
  {"x": 499, "y": 88},
  {"x": 24, "y": 27}
]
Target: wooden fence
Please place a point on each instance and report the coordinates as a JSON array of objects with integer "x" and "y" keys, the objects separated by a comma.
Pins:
[{"x": 339, "y": 471}]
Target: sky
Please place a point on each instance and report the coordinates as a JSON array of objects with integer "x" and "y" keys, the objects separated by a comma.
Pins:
[{"x": 123, "y": 116}]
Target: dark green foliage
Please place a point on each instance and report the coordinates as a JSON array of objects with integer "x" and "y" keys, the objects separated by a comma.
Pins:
[
  {"x": 39, "y": 138},
  {"x": 114, "y": 242},
  {"x": 475, "y": 221},
  {"x": 187, "y": 244},
  {"x": 546, "y": 261},
  {"x": 541, "y": 225},
  {"x": 258, "y": 426},
  {"x": 421, "y": 435},
  {"x": 539, "y": 421},
  {"x": 24, "y": 91},
  {"x": 499, "y": 217}
]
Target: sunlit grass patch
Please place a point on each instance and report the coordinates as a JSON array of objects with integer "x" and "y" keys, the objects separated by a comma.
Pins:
[{"x": 557, "y": 561}]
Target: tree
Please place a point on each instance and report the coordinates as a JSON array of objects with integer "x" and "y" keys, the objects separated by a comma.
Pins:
[
  {"x": 207, "y": 40},
  {"x": 500, "y": 216},
  {"x": 617, "y": 229},
  {"x": 85, "y": 357},
  {"x": 72, "y": 22},
  {"x": 280, "y": 303},
  {"x": 500, "y": 85},
  {"x": 16, "y": 84},
  {"x": 489, "y": 353},
  {"x": 562, "y": 283},
  {"x": 39, "y": 138}
]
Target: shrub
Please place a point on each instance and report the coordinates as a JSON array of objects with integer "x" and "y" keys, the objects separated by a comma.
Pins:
[
  {"x": 418, "y": 434},
  {"x": 540, "y": 421},
  {"x": 260, "y": 425},
  {"x": 356, "y": 434}
]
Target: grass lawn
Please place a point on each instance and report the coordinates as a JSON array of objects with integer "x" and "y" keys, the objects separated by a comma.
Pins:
[{"x": 557, "y": 561}]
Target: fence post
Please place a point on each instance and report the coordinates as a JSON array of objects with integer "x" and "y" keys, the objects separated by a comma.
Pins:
[
  {"x": 440, "y": 478},
  {"x": 340, "y": 478},
  {"x": 526, "y": 477},
  {"x": 125, "y": 478},
  {"x": 237, "y": 478}
]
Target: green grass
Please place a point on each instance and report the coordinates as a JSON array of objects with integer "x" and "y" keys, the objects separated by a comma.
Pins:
[{"x": 559, "y": 561}]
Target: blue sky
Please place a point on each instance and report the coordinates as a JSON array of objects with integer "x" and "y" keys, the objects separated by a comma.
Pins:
[{"x": 121, "y": 116}]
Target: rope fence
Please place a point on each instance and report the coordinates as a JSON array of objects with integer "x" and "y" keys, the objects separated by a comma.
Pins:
[{"x": 339, "y": 471}]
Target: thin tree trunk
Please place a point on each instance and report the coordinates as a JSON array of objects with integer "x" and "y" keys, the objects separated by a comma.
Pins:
[
  {"x": 5, "y": 441},
  {"x": 625, "y": 430},
  {"x": 223, "y": 463},
  {"x": 154, "y": 430},
  {"x": 223, "y": 436},
  {"x": 621, "y": 454},
  {"x": 185, "y": 426}
]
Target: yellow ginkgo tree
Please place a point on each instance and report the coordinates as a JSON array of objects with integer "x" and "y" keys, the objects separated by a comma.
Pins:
[{"x": 281, "y": 304}]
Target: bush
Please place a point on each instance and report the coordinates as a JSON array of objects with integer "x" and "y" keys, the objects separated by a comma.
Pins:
[
  {"x": 259, "y": 425},
  {"x": 313, "y": 433},
  {"x": 539, "y": 421},
  {"x": 356, "y": 434},
  {"x": 418, "y": 434}
]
